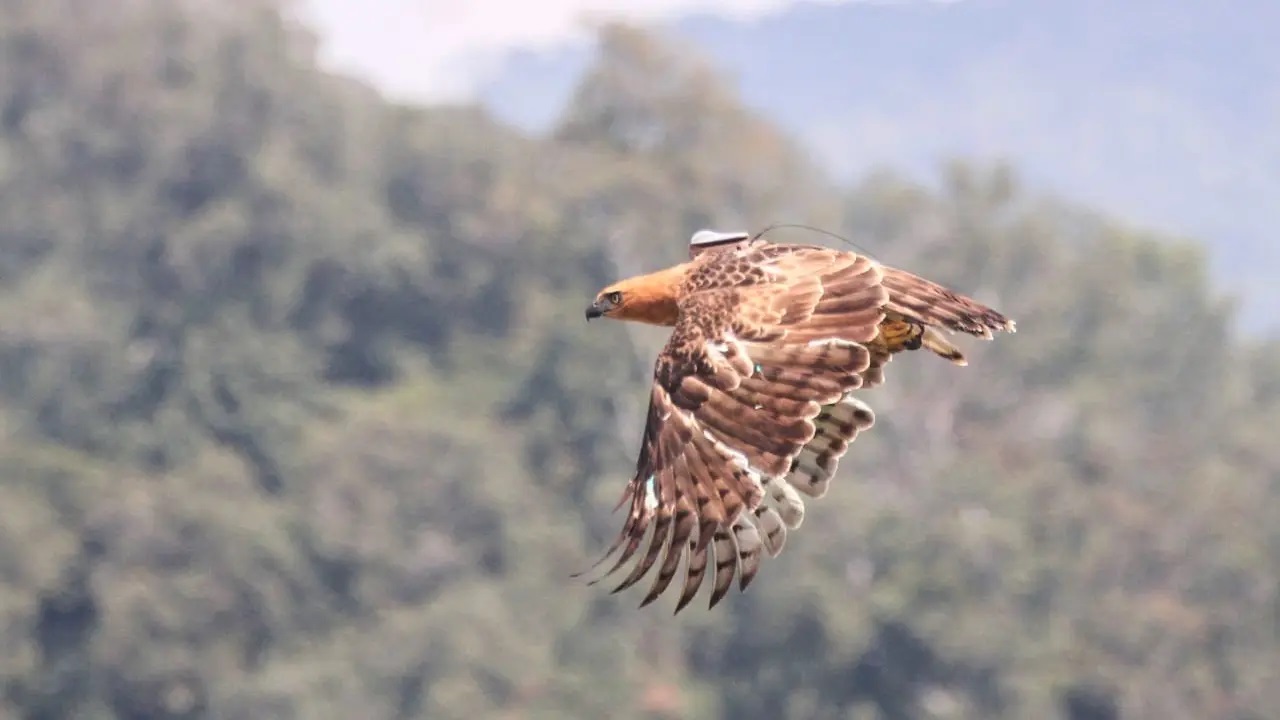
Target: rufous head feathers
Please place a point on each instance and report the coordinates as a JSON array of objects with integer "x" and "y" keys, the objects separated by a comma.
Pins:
[{"x": 652, "y": 299}]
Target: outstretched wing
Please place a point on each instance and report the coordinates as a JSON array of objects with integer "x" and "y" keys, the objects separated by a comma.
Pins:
[
  {"x": 767, "y": 349},
  {"x": 915, "y": 315}
]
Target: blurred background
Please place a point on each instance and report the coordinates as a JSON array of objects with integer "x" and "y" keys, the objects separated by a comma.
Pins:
[{"x": 299, "y": 417}]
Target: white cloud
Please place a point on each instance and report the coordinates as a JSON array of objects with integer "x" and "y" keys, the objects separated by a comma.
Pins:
[{"x": 441, "y": 50}]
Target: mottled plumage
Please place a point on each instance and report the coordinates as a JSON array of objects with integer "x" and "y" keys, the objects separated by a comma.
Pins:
[{"x": 753, "y": 401}]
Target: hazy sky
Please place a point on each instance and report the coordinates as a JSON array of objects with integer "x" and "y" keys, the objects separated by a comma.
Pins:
[{"x": 433, "y": 50}]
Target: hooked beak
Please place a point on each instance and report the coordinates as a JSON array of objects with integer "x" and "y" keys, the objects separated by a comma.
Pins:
[{"x": 602, "y": 305}]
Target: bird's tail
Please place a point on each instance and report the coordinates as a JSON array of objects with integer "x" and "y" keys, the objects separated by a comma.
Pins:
[{"x": 940, "y": 345}]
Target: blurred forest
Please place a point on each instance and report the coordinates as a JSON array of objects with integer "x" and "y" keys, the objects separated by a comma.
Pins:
[{"x": 301, "y": 418}]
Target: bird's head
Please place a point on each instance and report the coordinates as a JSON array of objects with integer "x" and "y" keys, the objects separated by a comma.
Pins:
[
  {"x": 650, "y": 299},
  {"x": 608, "y": 301}
]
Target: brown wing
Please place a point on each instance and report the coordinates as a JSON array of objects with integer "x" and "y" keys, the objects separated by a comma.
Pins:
[
  {"x": 915, "y": 316},
  {"x": 916, "y": 312},
  {"x": 928, "y": 303},
  {"x": 764, "y": 342}
]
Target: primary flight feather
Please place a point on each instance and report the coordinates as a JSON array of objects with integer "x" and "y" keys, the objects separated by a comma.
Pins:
[{"x": 753, "y": 396}]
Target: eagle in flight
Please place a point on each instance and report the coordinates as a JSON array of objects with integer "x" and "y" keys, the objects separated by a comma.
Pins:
[{"x": 753, "y": 400}]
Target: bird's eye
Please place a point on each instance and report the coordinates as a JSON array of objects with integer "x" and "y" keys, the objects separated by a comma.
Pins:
[{"x": 615, "y": 298}]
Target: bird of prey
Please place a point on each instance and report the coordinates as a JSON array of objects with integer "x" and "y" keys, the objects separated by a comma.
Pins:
[{"x": 753, "y": 399}]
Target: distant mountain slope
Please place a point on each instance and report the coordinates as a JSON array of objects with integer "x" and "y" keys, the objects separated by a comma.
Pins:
[{"x": 1162, "y": 112}]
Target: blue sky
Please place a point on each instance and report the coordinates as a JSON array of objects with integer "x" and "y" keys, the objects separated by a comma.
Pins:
[{"x": 1163, "y": 112}]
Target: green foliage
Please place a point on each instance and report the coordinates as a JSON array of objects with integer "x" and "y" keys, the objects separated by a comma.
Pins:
[{"x": 300, "y": 417}]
